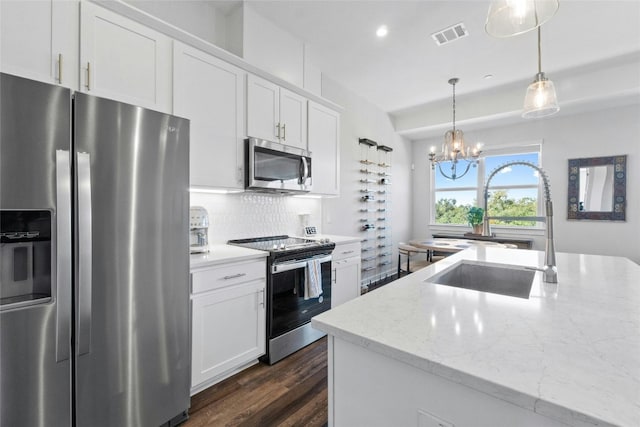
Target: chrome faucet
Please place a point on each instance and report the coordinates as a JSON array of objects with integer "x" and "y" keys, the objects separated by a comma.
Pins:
[{"x": 550, "y": 271}]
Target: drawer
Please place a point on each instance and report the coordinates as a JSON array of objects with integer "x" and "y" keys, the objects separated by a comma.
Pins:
[
  {"x": 347, "y": 250},
  {"x": 227, "y": 275}
]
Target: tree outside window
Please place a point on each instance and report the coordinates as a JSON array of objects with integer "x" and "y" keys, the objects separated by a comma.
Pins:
[{"x": 514, "y": 191}]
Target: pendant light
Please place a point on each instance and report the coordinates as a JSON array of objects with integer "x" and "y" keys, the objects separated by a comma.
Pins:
[
  {"x": 508, "y": 18},
  {"x": 540, "y": 99},
  {"x": 453, "y": 148}
]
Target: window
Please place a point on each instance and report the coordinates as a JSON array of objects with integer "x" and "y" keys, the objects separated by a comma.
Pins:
[{"x": 514, "y": 191}]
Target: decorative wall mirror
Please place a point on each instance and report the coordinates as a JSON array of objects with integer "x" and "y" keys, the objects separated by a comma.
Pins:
[{"x": 598, "y": 188}]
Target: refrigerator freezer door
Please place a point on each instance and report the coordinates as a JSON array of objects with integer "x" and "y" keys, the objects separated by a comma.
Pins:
[
  {"x": 136, "y": 371},
  {"x": 35, "y": 366}
]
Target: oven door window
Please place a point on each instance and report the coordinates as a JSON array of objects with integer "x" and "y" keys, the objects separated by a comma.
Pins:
[{"x": 289, "y": 309}]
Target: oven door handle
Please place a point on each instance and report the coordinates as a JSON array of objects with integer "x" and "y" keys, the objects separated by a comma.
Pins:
[{"x": 294, "y": 265}]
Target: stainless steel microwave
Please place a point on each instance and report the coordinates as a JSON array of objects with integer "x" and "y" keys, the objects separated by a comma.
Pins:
[{"x": 277, "y": 168}]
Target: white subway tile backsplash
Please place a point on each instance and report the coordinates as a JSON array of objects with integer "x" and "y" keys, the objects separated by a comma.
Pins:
[{"x": 244, "y": 215}]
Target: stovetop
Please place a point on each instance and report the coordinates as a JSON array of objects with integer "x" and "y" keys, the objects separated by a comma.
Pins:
[{"x": 282, "y": 244}]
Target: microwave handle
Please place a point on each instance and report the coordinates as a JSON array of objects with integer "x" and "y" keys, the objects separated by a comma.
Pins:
[{"x": 305, "y": 169}]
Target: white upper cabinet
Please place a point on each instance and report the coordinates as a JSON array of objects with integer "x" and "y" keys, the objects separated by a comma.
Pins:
[
  {"x": 275, "y": 114},
  {"x": 293, "y": 119},
  {"x": 39, "y": 40},
  {"x": 324, "y": 144},
  {"x": 210, "y": 93},
  {"x": 123, "y": 60},
  {"x": 263, "y": 108}
]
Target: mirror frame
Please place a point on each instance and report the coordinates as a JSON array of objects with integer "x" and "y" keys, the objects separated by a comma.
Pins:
[{"x": 618, "y": 212}]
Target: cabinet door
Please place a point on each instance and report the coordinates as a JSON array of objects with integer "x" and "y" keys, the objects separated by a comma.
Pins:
[
  {"x": 210, "y": 93},
  {"x": 293, "y": 119},
  {"x": 346, "y": 285},
  {"x": 263, "y": 108},
  {"x": 324, "y": 144},
  {"x": 39, "y": 40},
  {"x": 228, "y": 329},
  {"x": 123, "y": 60}
]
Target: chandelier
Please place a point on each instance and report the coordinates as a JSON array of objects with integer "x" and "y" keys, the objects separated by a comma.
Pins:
[{"x": 453, "y": 148}]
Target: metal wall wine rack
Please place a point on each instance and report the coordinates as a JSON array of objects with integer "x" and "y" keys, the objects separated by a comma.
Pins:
[{"x": 375, "y": 196}]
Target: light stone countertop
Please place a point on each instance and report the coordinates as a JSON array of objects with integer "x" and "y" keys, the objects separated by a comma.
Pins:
[
  {"x": 221, "y": 254},
  {"x": 570, "y": 352}
]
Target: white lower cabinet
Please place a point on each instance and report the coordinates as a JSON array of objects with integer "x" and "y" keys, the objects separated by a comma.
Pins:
[
  {"x": 346, "y": 273},
  {"x": 228, "y": 322}
]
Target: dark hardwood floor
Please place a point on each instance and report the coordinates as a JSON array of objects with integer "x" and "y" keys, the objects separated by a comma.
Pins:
[{"x": 293, "y": 392}]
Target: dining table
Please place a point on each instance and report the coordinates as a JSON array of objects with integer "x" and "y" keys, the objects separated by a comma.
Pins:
[{"x": 451, "y": 245}]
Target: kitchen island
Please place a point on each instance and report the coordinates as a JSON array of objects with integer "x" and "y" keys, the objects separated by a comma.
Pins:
[{"x": 414, "y": 353}]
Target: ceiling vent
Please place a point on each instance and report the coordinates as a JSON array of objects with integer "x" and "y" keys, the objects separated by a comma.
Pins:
[{"x": 450, "y": 34}]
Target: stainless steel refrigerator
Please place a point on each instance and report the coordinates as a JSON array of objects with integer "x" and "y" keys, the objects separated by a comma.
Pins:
[{"x": 94, "y": 258}]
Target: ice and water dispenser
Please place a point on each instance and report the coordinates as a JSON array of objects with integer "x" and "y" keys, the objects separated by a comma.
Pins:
[{"x": 25, "y": 257}]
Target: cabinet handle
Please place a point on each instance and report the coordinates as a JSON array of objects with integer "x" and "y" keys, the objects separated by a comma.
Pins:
[
  {"x": 234, "y": 276},
  {"x": 284, "y": 132},
  {"x": 60, "y": 68},
  {"x": 347, "y": 252},
  {"x": 262, "y": 300},
  {"x": 278, "y": 127},
  {"x": 88, "y": 83}
]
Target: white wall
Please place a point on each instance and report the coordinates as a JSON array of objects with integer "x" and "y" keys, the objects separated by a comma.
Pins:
[
  {"x": 361, "y": 119},
  {"x": 606, "y": 132},
  {"x": 272, "y": 49},
  {"x": 199, "y": 18}
]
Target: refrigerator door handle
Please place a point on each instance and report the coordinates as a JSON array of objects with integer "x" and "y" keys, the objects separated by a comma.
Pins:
[
  {"x": 84, "y": 253},
  {"x": 63, "y": 255}
]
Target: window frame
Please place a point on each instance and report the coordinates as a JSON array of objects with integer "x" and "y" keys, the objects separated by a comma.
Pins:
[{"x": 528, "y": 148}]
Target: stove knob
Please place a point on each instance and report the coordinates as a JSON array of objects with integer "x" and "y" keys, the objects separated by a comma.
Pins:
[
  {"x": 282, "y": 246},
  {"x": 275, "y": 247}
]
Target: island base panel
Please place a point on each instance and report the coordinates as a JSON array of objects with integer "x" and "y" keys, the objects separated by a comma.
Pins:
[{"x": 368, "y": 388}]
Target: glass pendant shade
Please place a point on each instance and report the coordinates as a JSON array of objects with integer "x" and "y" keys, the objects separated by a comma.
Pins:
[
  {"x": 540, "y": 99},
  {"x": 508, "y": 18}
]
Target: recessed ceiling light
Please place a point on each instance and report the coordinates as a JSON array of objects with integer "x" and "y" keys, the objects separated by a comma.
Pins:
[{"x": 382, "y": 31}]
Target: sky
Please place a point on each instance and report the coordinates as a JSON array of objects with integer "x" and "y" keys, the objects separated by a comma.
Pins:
[{"x": 512, "y": 175}]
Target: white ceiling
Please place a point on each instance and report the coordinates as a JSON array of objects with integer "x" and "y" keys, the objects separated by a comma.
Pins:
[{"x": 407, "y": 68}]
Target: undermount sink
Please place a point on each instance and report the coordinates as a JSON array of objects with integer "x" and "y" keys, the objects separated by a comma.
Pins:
[{"x": 510, "y": 280}]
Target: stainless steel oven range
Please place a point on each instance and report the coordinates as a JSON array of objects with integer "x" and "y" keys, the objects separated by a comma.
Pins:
[{"x": 288, "y": 312}]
